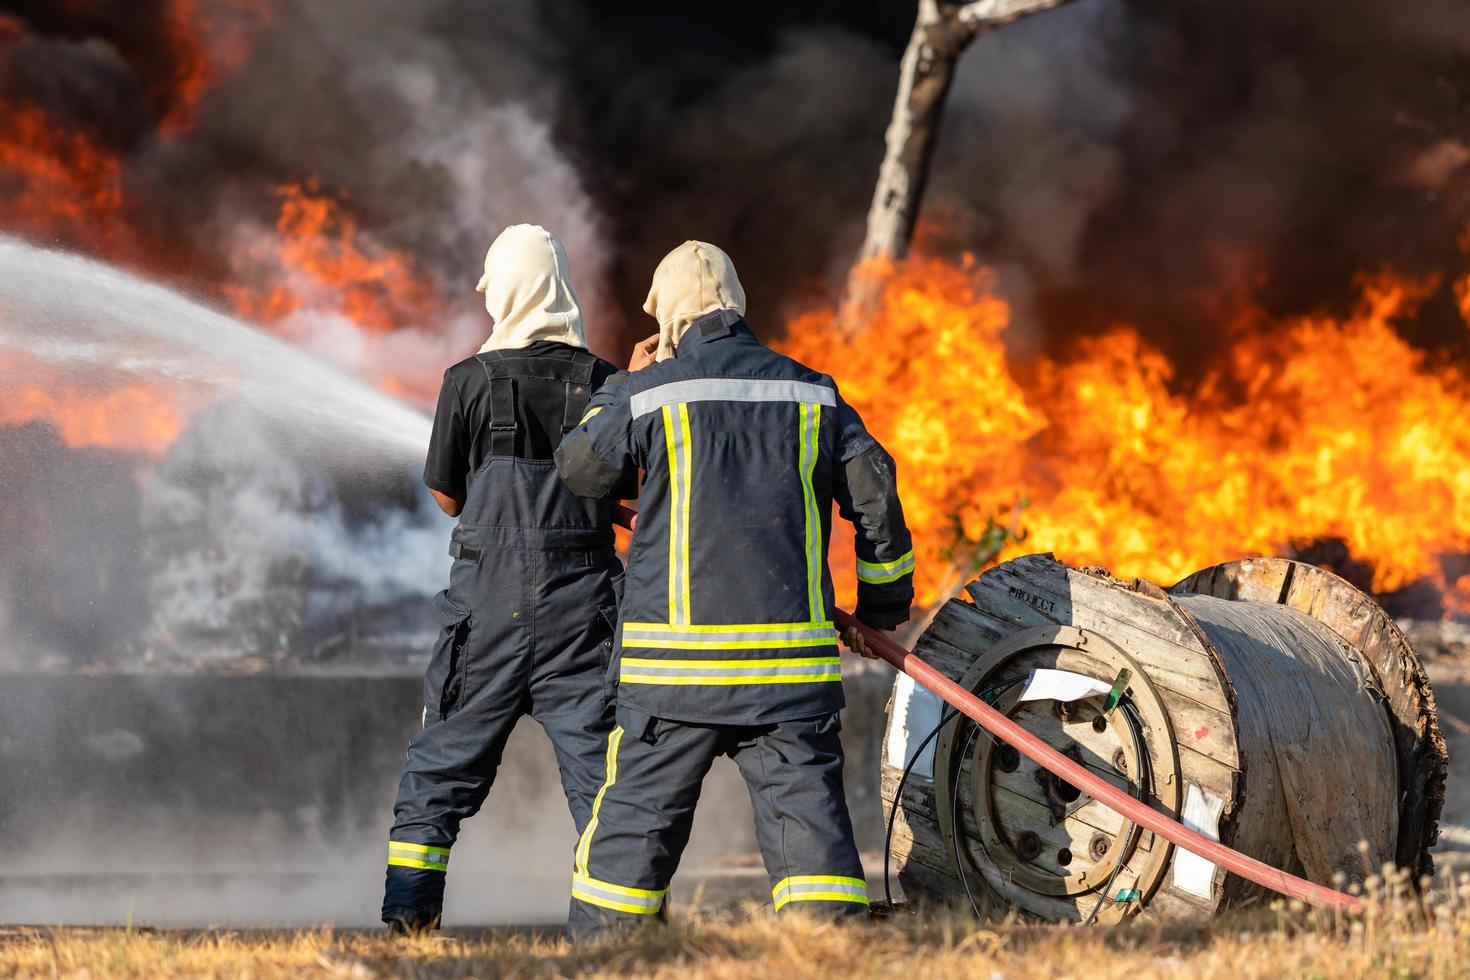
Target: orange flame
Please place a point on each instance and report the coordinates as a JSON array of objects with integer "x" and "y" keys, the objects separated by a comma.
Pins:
[
  {"x": 130, "y": 417},
  {"x": 1309, "y": 429},
  {"x": 58, "y": 181},
  {"x": 136, "y": 418},
  {"x": 207, "y": 47},
  {"x": 1457, "y": 597},
  {"x": 317, "y": 263},
  {"x": 1462, "y": 288},
  {"x": 54, "y": 181}
]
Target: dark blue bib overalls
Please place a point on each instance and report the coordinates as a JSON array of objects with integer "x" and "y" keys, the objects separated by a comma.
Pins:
[{"x": 527, "y": 623}]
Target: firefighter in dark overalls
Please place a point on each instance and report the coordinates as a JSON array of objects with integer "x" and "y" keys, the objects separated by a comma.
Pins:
[
  {"x": 527, "y": 620},
  {"x": 726, "y": 644}
]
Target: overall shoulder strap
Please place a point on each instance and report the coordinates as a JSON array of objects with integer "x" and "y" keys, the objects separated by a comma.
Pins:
[
  {"x": 579, "y": 389},
  {"x": 503, "y": 428}
]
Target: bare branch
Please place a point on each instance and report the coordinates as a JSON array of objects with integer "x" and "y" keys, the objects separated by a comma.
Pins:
[
  {"x": 984, "y": 15},
  {"x": 941, "y": 31}
]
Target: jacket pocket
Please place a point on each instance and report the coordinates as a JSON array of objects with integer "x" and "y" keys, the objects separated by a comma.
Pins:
[{"x": 444, "y": 680}]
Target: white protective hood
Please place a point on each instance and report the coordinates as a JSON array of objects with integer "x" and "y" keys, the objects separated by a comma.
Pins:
[
  {"x": 528, "y": 290},
  {"x": 694, "y": 279}
]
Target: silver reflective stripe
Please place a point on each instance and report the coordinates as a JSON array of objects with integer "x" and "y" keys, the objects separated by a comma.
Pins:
[
  {"x": 809, "y": 438},
  {"x": 881, "y": 572},
  {"x": 677, "y": 442},
  {"x": 816, "y": 631},
  {"x": 828, "y": 665},
  {"x": 794, "y": 890},
  {"x": 820, "y": 888},
  {"x": 730, "y": 390},
  {"x": 635, "y": 900}
]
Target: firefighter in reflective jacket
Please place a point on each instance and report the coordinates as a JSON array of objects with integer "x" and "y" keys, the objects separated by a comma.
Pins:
[
  {"x": 725, "y": 644},
  {"x": 528, "y": 617}
]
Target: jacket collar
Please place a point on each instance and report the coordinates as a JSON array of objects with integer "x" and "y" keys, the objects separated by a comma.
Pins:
[{"x": 714, "y": 326}]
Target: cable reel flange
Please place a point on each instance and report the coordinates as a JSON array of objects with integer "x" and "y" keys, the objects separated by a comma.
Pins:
[{"x": 1040, "y": 836}]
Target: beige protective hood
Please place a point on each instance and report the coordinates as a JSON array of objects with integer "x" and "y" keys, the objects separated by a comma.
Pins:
[
  {"x": 694, "y": 279},
  {"x": 528, "y": 290}
]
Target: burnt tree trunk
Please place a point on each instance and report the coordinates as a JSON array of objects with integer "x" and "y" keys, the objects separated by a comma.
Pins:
[{"x": 942, "y": 31}]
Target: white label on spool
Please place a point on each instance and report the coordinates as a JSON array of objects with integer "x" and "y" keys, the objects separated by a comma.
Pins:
[
  {"x": 1045, "y": 684},
  {"x": 915, "y": 713},
  {"x": 1193, "y": 873}
]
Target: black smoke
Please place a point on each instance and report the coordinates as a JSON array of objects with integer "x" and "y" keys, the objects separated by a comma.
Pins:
[{"x": 1117, "y": 159}]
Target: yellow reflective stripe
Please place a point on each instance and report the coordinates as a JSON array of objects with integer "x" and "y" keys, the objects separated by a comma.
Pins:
[
  {"x": 820, "y": 888},
  {"x": 675, "y": 486},
  {"x": 821, "y": 897},
  {"x": 719, "y": 664},
  {"x": 906, "y": 558},
  {"x": 585, "y": 879},
  {"x": 662, "y": 644},
  {"x": 403, "y": 862},
  {"x": 832, "y": 676},
  {"x": 726, "y": 627},
  {"x": 727, "y": 636},
  {"x": 398, "y": 845},
  {"x": 584, "y": 845},
  {"x": 590, "y": 412},
  {"x": 635, "y": 901},
  {"x": 877, "y": 573},
  {"x": 681, "y": 465},
  {"x": 679, "y": 445},
  {"x": 819, "y": 880},
  {"x": 811, "y": 422},
  {"x": 684, "y": 515},
  {"x": 405, "y": 854},
  {"x": 592, "y": 898}
]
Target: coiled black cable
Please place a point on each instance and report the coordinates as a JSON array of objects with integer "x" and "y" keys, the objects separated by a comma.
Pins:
[
  {"x": 956, "y": 832},
  {"x": 950, "y": 714}
]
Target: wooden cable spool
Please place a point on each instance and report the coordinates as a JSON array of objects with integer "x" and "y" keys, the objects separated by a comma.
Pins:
[{"x": 1266, "y": 701}]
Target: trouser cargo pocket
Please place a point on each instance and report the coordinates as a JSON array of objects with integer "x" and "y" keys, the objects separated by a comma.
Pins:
[{"x": 444, "y": 680}]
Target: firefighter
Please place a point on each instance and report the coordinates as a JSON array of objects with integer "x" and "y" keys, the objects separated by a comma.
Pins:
[
  {"x": 527, "y": 621},
  {"x": 725, "y": 644}
]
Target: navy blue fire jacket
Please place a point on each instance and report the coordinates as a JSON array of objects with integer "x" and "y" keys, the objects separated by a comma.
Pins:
[{"x": 727, "y": 608}]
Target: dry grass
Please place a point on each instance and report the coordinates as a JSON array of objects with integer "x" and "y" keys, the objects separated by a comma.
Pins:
[{"x": 1404, "y": 939}]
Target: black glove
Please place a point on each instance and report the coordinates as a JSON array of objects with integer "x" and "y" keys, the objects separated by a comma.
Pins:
[{"x": 883, "y": 616}]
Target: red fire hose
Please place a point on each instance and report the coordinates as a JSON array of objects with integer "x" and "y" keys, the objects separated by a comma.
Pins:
[{"x": 1076, "y": 774}]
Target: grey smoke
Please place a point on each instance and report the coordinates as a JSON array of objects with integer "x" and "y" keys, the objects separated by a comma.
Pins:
[
  {"x": 437, "y": 153},
  {"x": 285, "y": 514},
  {"x": 248, "y": 544}
]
